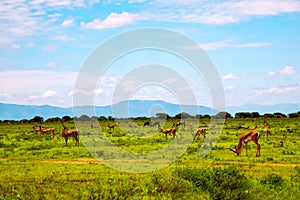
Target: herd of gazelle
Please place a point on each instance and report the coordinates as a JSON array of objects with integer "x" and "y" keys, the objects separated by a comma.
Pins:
[
  {"x": 44, "y": 131},
  {"x": 65, "y": 133},
  {"x": 250, "y": 135}
]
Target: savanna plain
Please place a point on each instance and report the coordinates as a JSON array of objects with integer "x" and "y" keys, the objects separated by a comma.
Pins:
[{"x": 39, "y": 166}]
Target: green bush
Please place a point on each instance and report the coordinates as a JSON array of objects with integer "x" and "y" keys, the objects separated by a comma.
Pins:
[
  {"x": 219, "y": 182},
  {"x": 272, "y": 181}
]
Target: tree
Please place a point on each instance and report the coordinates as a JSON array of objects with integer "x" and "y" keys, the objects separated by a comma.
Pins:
[
  {"x": 183, "y": 115},
  {"x": 206, "y": 116},
  {"x": 66, "y": 118},
  {"x": 84, "y": 118},
  {"x": 222, "y": 115},
  {"x": 54, "y": 119},
  {"x": 255, "y": 115},
  {"x": 102, "y": 118},
  {"x": 268, "y": 115},
  {"x": 162, "y": 116},
  {"x": 294, "y": 115},
  {"x": 279, "y": 115},
  {"x": 37, "y": 119},
  {"x": 243, "y": 115}
]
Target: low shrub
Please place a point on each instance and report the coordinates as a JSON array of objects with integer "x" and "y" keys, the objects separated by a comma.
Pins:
[
  {"x": 272, "y": 181},
  {"x": 219, "y": 182}
]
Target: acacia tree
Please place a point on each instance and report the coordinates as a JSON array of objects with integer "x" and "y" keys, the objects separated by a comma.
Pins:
[
  {"x": 37, "y": 119},
  {"x": 162, "y": 116}
]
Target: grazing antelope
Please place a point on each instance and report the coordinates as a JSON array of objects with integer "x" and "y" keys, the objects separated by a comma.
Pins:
[
  {"x": 251, "y": 135},
  {"x": 111, "y": 127},
  {"x": 70, "y": 133},
  {"x": 36, "y": 129},
  {"x": 146, "y": 123},
  {"x": 181, "y": 123},
  {"x": 48, "y": 130},
  {"x": 92, "y": 126},
  {"x": 267, "y": 131},
  {"x": 155, "y": 124},
  {"x": 169, "y": 131},
  {"x": 199, "y": 131}
]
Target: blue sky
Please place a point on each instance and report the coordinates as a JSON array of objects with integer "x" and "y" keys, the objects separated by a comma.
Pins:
[{"x": 254, "y": 44}]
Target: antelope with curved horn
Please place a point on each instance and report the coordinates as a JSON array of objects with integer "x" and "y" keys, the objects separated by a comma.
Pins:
[
  {"x": 70, "y": 133},
  {"x": 36, "y": 130},
  {"x": 199, "y": 131},
  {"x": 251, "y": 135},
  {"x": 48, "y": 130},
  {"x": 169, "y": 131},
  {"x": 181, "y": 123}
]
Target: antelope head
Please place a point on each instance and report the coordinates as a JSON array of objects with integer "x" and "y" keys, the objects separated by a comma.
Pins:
[{"x": 234, "y": 151}]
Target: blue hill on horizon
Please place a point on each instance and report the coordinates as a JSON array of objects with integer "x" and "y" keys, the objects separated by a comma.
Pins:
[{"x": 133, "y": 108}]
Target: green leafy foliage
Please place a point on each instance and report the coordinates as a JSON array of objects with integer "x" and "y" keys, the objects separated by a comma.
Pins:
[
  {"x": 220, "y": 182},
  {"x": 272, "y": 181}
]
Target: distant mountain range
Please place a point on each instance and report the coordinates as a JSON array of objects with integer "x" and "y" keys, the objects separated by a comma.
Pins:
[{"x": 132, "y": 108}]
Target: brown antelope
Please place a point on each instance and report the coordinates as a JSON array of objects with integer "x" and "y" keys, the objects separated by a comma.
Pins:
[
  {"x": 251, "y": 135},
  {"x": 146, "y": 123},
  {"x": 111, "y": 127},
  {"x": 181, "y": 123},
  {"x": 199, "y": 131},
  {"x": 48, "y": 130},
  {"x": 70, "y": 133},
  {"x": 169, "y": 131},
  {"x": 267, "y": 131},
  {"x": 36, "y": 129}
]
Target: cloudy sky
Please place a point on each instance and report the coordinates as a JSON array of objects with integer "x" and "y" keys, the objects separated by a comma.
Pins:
[{"x": 254, "y": 44}]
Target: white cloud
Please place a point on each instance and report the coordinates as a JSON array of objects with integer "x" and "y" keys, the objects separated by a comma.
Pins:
[
  {"x": 54, "y": 17},
  {"x": 112, "y": 21},
  {"x": 24, "y": 18},
  {"x": 30, "y": 44},
  {"x": 98, "y": 91},
  {"x": 67, "y": 23},
  {"x": 63, "y": 38},
  {"x": 50, "y": 48},
  {"x": 52, "y": 64},
  {"x": 33, "y": 97},
  {"x": 229, "y": 88},
  {"x": 71, "y": 93},
  {"x": 216, "y": 12},
  {"x": 282, "y": 90},
  {"x": 136, "y": 1},
  {"x": 229, "y": 43},
  {"x": 271, "y": 74},
  {"x": 49, "y": 94},
  {"x": 287, "y": 70},
  {"x": 62, "y": 3},
  {"x": 16, "y": 46},
  {"x": 229, "y": 77}
]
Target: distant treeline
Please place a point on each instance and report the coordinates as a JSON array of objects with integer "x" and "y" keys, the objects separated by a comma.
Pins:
[{"x": 38, "y": 119}]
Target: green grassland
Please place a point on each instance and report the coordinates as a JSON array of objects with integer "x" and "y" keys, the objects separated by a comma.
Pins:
[{"x": 36, "y": 166}]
